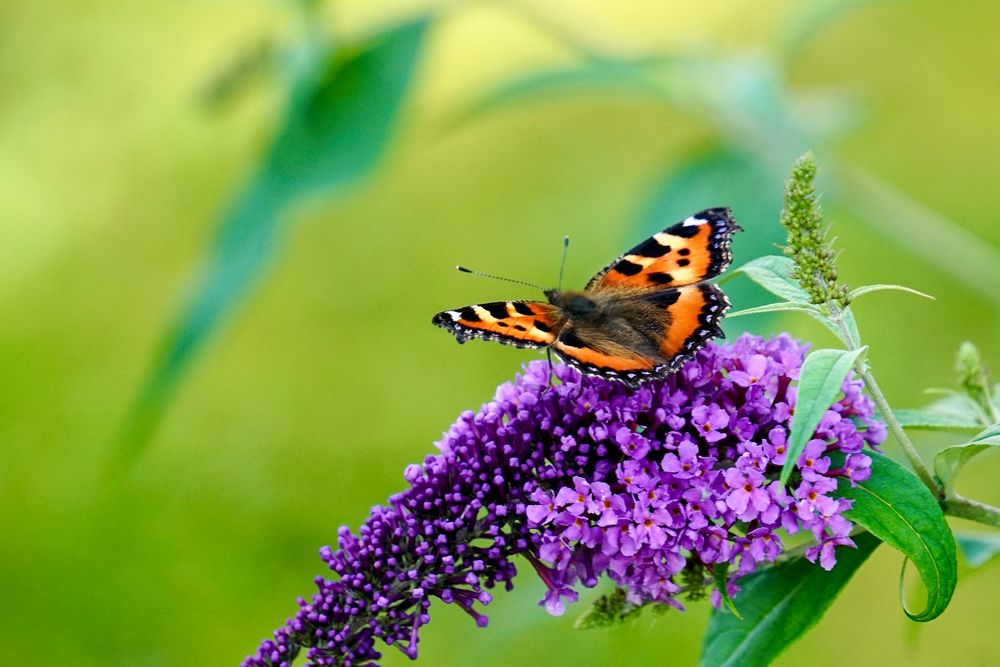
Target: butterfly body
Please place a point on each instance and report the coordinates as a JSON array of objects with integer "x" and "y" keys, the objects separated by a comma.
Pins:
[
  {"x": 630, "y": 320},
  {"x": 637, "y": 319}
]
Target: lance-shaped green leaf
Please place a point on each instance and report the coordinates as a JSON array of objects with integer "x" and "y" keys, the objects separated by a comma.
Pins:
[
  {"x": 961, "y": 406},
  {"x": 895, "y": 506},
  {"x": 950, "y": 460},
  {"x": 778, "y": 605},
  {"x": 774, "y": 273},
  {"x": 341, "y": 119},
  {"x": 721, "y": 575},
  {"x": 341, "y": 114},
  {"x": 820, "y": 382},
  {"x": 978, "y": 548},
  {"x": 773, "y": 308},
  {"x": 930, "y": 420},
  {"x": 855, "y": 293}
]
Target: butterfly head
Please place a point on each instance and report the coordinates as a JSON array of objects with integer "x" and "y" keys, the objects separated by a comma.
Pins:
[{"x": 575, "y": 304}]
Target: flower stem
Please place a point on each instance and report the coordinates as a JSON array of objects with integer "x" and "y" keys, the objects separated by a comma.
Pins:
[
  {"x": 862, "y": 369},
  {"x": 972, "y": 510},
  {"x": 923, "y": 472}
]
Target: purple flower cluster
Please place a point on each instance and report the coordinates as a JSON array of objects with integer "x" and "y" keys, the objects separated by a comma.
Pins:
[
  {"x": 588, "y": 478},
  {"x": 698, "y": 479}
]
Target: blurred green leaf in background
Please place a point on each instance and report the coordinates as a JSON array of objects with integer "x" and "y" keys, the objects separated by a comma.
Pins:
[{"x": 344, "y": 101}]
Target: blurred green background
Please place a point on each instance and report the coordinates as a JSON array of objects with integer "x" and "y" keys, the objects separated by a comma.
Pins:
[{"x": 166, "y": 508}]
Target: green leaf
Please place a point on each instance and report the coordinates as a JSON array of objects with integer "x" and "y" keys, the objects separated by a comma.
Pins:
[
  {"x": 978, "y": 548},
  {"x": 721, "y": 576},
  {"x": 820, "y": 380},
  {"x": 779, "y": 604},
  {"x": 959, "y": 405},
  {"x": 773, "y": 308},
  {"x": 337, "y": 126},
  {"x": 949, "y": 461},
  {"x": 774, "y": 273},
  {"x": 855, "y": 293},
  {"x": 931, "y": 420},
  {"x": 895, "y": 506}
]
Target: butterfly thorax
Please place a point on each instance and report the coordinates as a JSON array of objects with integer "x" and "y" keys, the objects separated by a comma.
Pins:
[{"x": 573, "y": 304}]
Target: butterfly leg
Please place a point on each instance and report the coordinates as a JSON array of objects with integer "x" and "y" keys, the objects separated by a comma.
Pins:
[{"x": 552, "y": 371}]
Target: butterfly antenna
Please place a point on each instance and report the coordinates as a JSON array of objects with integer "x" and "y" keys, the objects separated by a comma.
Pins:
[
  {"x": 490, "y": 275},
  {"x": 562, "y": 264}
]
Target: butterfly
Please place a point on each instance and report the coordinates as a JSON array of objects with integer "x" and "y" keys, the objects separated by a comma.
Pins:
[{"x": 639, "y": 318}]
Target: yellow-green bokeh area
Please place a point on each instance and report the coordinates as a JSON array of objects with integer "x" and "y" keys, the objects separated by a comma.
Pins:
[{"x": 304, "y": 409}]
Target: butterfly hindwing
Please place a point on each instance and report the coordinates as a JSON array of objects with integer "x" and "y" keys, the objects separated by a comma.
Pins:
[
  {"x": 695, "y": 249},
  {"x": 691, "y": 316},
  {"x": 590, "y": 350},
  {"x": 646, "y": 335},
  {"x": 518, "y": 323}
]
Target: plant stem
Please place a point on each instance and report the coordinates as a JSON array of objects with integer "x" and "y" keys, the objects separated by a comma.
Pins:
[
  {"x": 923, "y": 472},
  {"x": 862, "y": 369},
  {"x": 972, "y": 510}
]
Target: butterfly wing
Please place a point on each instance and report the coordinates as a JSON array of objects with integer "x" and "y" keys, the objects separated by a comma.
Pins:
[
  {"x": 518, "y": 323},
  {"x": 690, "y": 317},
  {"x": 645, "y": 335},
  {"x": 693, "y": 250},
  {"x": 592, "y": 351}
]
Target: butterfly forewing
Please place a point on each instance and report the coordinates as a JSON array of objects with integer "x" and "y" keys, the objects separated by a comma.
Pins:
[
  {"x": 519, "y": 323},
  {"x": 692, "y": 250}
]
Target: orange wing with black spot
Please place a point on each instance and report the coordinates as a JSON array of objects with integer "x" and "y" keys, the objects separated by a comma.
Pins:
[
  {"x": 518, "y": 323},
  {"x": 590, "y": 351},
  {"x": 695, "y": 249},
  {"x": 691, "y": 316}
]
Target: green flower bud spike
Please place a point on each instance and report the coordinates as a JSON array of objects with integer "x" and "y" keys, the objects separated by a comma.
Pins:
[
  {"x": 815, "y": 267},
  {"x": 974, "y": 378}
]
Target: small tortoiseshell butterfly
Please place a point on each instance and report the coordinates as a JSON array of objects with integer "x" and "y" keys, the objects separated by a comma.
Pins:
[{"x": 641, "y": 317}]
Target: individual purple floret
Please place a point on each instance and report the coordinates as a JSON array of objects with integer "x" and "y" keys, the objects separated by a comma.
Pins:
[{"x": 589, "y": 478}]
